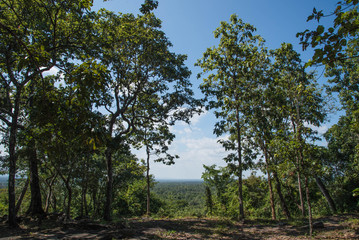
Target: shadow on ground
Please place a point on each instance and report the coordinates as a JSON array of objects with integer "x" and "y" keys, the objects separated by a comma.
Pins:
[{"x": 187, "y": 228}]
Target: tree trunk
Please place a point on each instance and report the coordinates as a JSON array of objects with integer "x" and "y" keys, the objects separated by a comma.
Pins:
[
  {"x": 299, "y": 158},
  {"x": 95, "y": 205},
  {"x": 54, "y": 205},
  {"x": 12, "y": 163},
  {"x": 240, "y": 182},
  {"x": 22, "y": 195},
  {"x": 49, "y": 194},
  {"x": 68, "y": 208},
  {"x": 283, "y": 204},
  {"x": 69, "y": 196},
  {"x": 83, "y": 207},
  {"x": 274, "y": 217},
  {"x": 300, "y": 193},
  {"x": 310, "y": 218},
  {"x": 148, "y": 181},
  {"x": 35, "y": 207},
  {"x": 85, "y": 202},
  {"x": 326, "y": 194},
  {"x": 109, "y": 186}
]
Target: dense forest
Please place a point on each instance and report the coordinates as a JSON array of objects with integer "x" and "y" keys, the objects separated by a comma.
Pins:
[{"x": 69, "y": 136}]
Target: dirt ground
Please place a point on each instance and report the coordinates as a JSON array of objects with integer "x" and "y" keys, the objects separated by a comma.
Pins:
[{"x": 334, "y": 227}]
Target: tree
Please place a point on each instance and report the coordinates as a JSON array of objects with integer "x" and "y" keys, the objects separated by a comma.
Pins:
[
  {"x": 209, "y": 201},
  {"x": 35, "y": 37},
  {"x": 232, "y": 68},
  {"x": 149, "y": 84},
  {"x": 302, "y": 104},
  {"x": 219, "y": 179},
  {"x": 155, "y": 139},
  {"x": 342, "y": 163},
  {"x": 337, "y": 49}
]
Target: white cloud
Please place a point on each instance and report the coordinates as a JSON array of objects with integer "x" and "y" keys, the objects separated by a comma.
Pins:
[
  {"x": 194, "y": 153},
  {"x": 198, "y": 117},
  {"x": 52, "y": 71},
  {"x": 321, "y": 129},
  {"x": 196, "y": 146}
]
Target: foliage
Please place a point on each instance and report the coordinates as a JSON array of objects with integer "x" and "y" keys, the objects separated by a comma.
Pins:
[
  {"x": 180, "y": 199},
  {"x": 330, "y": 43}
]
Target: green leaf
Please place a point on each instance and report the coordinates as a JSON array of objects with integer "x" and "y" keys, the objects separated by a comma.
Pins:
[
  {"x": 310, "y": 18},
  {"x": 356, "y": 192},
  {"x": 320, "y": 29}
]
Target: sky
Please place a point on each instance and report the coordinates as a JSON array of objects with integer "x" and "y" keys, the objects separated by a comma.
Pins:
[{"x": 189, "y": 25}]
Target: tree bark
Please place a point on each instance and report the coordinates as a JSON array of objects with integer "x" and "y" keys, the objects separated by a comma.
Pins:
[
  {"x": 299, "y": 158},
  {"x": 148, "y": 181},
  {"x": 95, "y": 204},
  {"x": 22, "y": 195},
  {"x": 300, "y": 192},
  {"x": 310, "y": 217},
  {"x": 109, "y": 186},
  {"x": 274, "y": 217},
  {"x": 85, "y": 201},
  {"x": 69, "y": 196},
  {"x": 12, "y": 161},
  {"x": 326, "y": 194},
  {"x": 35, "y": 207},
  {"x": 49, "y": 194},
  {"x": 69, "y": 200},
  {"x": 240, "y": 182}
]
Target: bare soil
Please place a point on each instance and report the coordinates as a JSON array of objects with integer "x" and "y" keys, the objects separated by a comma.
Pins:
[{"x": 53, "y": 227}]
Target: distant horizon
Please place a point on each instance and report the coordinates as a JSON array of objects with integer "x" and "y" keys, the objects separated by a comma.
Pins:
[{"x": 178, "y": 180}]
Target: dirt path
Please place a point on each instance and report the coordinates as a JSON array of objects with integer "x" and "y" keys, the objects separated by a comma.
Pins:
[{"x": 336, "y": 227}]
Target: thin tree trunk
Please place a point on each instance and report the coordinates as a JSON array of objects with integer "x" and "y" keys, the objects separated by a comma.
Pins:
[
  {"x": 69, "y": 194},
  {"x": 148, "y": 181},
  {"x": 54, "y": 201},
  {"x": 35, "y": 207},
  {"x": 69, "y": 200},
  {"x": 85, "y": 200},
  {"x": 95, "y": 205},
  {"x": 82, "y": 204},
  {"x": 291, "y": 196},
  {"x": 326, "y": 194},
  {"x": 283, "y": 204},
  {"x": 240, "y": 182},
  {"x": 309, "y": 207},
  {"x": 109, "y": 186},
  {"x": 47, "y": 203},
  {"x": 22, "y": 195},
  {"x": 300, "y": 193},
  {"x": 274, "y": 217},
  {"x": 299, "y": 163},
  {"x": 49, "y": 194}
]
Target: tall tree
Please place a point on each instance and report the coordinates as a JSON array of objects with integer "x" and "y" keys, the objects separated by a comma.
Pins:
[
  {"x": 336, "y": 47},
  {"x": 303, "y": 104},
  {"x": 146, "y": 77},
  {"x": 156, "y": 140},
  {"x": 231, "y": 72},
  {"x": 35, "y": 36}
]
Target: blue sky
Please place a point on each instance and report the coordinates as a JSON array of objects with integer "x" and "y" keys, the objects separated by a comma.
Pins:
[{"x": 189, "y": 25}]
